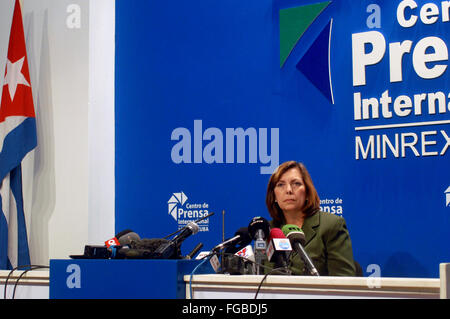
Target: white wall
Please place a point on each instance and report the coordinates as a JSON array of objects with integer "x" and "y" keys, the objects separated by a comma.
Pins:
[
  {"x": 101, "y": 120},
  {"x": 69, "y": 177}
]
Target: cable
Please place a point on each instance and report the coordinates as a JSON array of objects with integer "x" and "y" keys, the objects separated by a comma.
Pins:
[
  {"x": 265, "y": 276},
  {"x": 209, "y": 256},
  {"x": 212, "y": 253},
  {"x": 17, "y": 268},
  {"x": 286, "y": 269},
  {"x": 21, "y": 275},
  {"x": 9, "y": 275},
  {"x": 192, "y": 274}
]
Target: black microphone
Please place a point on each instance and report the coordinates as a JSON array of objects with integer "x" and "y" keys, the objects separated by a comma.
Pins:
[
  {"x": 259, "y": 228},
  {"x": 171, "y": 249},
  {"x": 259, "y": 231},
  {"x": 196, "y": 221},
  {"x": 109, "y": 249},
  {"x": 148, "y": 243},
  {"x": 194, "y": 251},
  {"x": 138, "y": 249},
  {"x": 297, "y": 238},
  {"x": 190, "y": 229},
  {"x": 241, "y": 237}
]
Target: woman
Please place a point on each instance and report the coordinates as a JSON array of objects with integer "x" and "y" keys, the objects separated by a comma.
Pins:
[{"x": 292, "y": 199}]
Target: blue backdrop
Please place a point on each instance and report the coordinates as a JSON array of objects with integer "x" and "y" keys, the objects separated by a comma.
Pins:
[{"x": 212, "y": 95}]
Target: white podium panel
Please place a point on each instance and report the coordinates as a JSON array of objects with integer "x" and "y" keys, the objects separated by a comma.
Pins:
[{"x": 218, "y": 286}]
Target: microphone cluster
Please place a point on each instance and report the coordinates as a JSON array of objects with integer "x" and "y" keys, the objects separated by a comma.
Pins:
[
  {"x": 128, "y": 245},
  {"x": 273, "y": 245}
]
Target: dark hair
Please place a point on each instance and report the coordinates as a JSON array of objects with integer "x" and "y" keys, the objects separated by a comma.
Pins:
[{"x": 312, "y": 203}]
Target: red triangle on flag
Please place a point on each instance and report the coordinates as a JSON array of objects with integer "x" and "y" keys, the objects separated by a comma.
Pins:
[{"x": 17, "y": 98}]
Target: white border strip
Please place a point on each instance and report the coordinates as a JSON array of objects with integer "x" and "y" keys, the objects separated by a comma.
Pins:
[{"x": 329, "y": 61}]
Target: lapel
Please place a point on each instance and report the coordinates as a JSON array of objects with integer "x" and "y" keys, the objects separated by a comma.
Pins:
[{"x": 309, "y": 227}]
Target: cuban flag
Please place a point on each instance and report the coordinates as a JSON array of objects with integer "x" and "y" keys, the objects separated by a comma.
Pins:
[{"x": 17, "y": 138}]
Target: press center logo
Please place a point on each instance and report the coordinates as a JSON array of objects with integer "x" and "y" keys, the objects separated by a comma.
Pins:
[
  {"x": 184, "y": 212},
  {"x": 333, "y": 205}
]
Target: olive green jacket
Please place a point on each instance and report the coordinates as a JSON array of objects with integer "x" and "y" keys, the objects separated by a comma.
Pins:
[{"x": 328, "y": 245}]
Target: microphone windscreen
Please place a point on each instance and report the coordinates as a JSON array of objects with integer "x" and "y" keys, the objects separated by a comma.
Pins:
[
  {"x": 245, "y": 236},
  {"x": 127, "y": 238},
  {"x": 276, "y": 233},
  {"x": 243, "y": 241},
  {"x": 300, "y": 237},
  {"x": 258, "y": 223},
  {"x": 136, "y": 253},
  {"x": 150, "y": 244},
  {"x": 193, "y": 227},
  {"x": 123, "y": 232},
  {"x": 293, "y": 232}
]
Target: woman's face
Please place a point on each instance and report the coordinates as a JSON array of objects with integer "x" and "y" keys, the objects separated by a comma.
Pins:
[{"x": 290, "y": 191}]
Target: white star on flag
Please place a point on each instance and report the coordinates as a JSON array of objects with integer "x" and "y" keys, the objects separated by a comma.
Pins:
[{"x": 14, "y": 76}]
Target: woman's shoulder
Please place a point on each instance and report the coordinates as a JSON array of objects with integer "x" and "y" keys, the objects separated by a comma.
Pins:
[
  {"x": 330, "y": 220},
  {"x": 329, "y": 216}
]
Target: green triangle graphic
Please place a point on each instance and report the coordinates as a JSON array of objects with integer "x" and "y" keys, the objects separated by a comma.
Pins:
[{"x": 293, "y": 23}]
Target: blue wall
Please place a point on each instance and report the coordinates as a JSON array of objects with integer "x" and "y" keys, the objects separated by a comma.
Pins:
[{"x": 189, "y": 74}]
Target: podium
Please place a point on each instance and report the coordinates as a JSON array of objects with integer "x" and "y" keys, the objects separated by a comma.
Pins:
[{"x": 121, "y": 278}]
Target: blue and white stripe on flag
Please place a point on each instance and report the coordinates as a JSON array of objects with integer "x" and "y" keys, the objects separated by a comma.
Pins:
[
  {"x": 14, "y": 249},
  {"x": 13, "y": 222}
]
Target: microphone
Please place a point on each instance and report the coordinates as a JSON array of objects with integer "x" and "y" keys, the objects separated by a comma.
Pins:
[
  {"x": 128, "y": 245},
  {"x": 297, "y": 238},
  {"x": 247, "y": 253},
  {"x": 138, "y": 249},
  {"x": 194, "y": 251},
  {"x": 240, "y": 263},
  {"x": 196, "y": 221},
  {"x": 126, "y": 237},
  {"x": 190, "y": 229},
  {"x": 259, "y": 227},
  {"x": 115, "y": 240},
  {"x": 241, "y": 237},
  {"x": 236, "y": 249},
  {"x": 124, "y": 245},
  {"x": 259, "y": 231},
  {"x": 120, "y": 241},
  {"x": 131, "y": 253},
  {"x": 279, "y": 249},
  {"x": 171, "y": 249}
]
